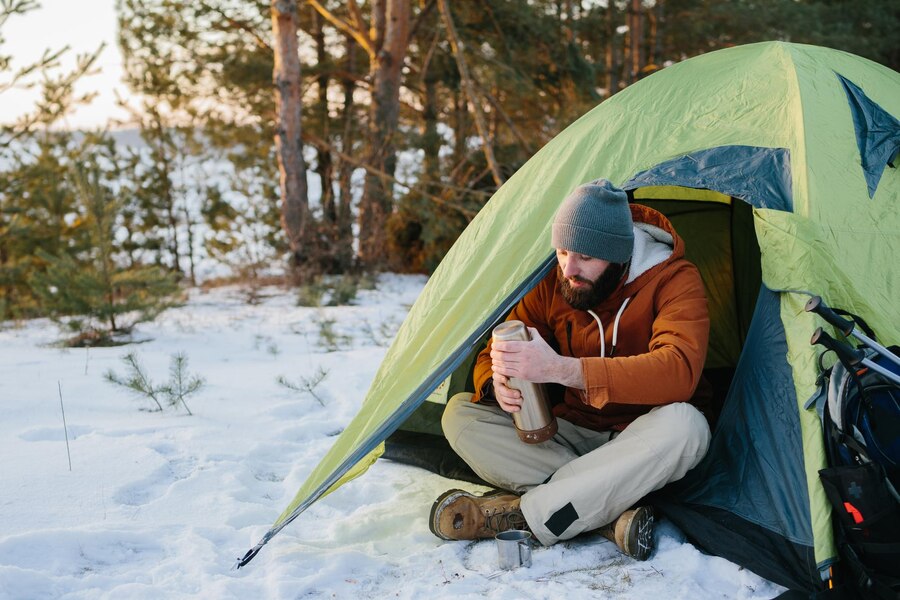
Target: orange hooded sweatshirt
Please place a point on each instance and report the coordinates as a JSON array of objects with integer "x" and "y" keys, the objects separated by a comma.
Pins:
[{"x": 652, "y": 354}]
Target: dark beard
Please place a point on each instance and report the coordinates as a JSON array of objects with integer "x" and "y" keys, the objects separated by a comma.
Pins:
[{"x": 597, "y": 292}]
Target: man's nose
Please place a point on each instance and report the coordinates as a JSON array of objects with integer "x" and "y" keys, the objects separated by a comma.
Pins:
[{"x": 570, "y": 269}]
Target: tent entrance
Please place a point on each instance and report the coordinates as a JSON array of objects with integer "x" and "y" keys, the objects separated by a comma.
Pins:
[{"x": 721, "y": 241}]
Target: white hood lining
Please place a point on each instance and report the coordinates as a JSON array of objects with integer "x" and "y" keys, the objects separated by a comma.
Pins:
[{"x": 652, "y": 246}]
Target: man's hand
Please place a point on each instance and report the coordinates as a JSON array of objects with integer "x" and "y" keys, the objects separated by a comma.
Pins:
[
  {"x": 509, "y": 399},
  {"x": 533, "y": 361}
]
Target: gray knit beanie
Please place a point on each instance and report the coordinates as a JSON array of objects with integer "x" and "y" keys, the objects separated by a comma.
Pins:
[{"x": 595, "y": 220}]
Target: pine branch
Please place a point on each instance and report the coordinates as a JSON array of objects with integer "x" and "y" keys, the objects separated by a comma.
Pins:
[
  {"x": 356, "y": 32},
  {"x": 11, "y": 7}
]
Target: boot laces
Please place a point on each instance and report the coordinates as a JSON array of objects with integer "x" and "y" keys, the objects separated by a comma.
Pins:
[{"x": 505, "y": 519}]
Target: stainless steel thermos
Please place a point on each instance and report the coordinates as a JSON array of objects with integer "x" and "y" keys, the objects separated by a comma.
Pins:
[{"x": 534, "y": 423}]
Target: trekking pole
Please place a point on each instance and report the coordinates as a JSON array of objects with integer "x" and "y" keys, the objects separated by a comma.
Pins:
[
  {"x": 848, "y": 327},
  {"x": 851, "y": 357}
]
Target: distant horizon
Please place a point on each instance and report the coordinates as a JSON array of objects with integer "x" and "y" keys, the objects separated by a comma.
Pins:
[{"x": 83, "y": 26}]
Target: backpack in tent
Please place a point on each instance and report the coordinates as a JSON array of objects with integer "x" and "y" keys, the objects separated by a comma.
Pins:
[{"x": 859, "y": 404}]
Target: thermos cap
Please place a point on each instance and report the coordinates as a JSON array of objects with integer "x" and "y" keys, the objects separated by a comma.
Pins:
[{"x": 511, "y": 330}]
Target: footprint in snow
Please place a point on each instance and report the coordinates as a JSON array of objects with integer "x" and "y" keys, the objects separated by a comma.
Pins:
[{"x": 157, "y": 484}]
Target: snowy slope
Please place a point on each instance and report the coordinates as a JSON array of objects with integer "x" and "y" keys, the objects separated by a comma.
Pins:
[{"x": 159, "y": 505}]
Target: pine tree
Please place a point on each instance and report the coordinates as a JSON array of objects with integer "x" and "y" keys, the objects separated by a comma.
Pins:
[
  {"x": 37, "y": 212},
  {"x": 34, "y": 202},
  {"x": 90, "y": 292}
]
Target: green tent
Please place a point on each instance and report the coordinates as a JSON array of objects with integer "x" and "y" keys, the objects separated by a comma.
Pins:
[{"x": 773, "y": 162}]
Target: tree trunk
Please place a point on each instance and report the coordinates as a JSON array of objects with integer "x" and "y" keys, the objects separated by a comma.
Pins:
[
  {"x": 288, "y": 145},
  {"x": 658, "y": 33},
  {"x": 189, "y": 225},
  {"x": 460, "y": 127},
  {"x": 567, "y": 21},
  {"x": 390, "y": 19},
  {"x": 324, "y": 163},
  {"x": 8, "y": 299},
  {"x": 612, "y": 50},
  {"x": 343, "y": 235},
  {"x": 640, "y": 18},
  {"x": 431, "y": 139},
  {"x": 469, "y": 90},
  {"x": 164, "y": 169},
  {"x": 635, "y": 39}
]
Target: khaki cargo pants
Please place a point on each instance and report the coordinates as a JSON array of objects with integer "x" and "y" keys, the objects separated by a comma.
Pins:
[{"x": 581, "y": 479}]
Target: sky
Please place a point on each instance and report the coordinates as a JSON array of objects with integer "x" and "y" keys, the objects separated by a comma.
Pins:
[{"x": 82, "y": 25}]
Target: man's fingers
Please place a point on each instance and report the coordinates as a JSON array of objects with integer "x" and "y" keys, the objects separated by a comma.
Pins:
[
  {"x": 502, "y": 356},
  {"x": 501, "y": 384},
  {"x": 507, "y": 402},
  {"x": 509, "y": 346},
  {"x": 510, "y": 408},
  {"x": 504, "y": 392}
]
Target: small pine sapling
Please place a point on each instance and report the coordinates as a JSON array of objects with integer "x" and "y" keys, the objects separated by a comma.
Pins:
[
  {"x": 181, "y": 383},
  {"x": 383, "y": 336},
  {"x": 329, "y": 338},
  {"x": 307, "y": 385},
  {"x": 136, "y": 380},
  {"x": 343, "y": 291}
]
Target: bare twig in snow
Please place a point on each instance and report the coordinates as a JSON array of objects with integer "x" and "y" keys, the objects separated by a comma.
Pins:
[{"x": 65, "y": 427}]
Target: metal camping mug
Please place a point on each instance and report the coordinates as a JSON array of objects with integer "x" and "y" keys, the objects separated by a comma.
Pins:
[
  {"x": 534, "y": 423},
  {"x": 514, "y": 547}
]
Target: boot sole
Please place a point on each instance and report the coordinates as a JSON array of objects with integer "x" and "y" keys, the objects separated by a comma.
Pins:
[
  {"x": 447, "y": 498},
  {"x": 639, "y": 541},
  {"x": 442, "y": 501}
]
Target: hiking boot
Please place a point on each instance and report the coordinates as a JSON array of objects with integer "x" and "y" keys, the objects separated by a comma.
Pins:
[
  {"x": 459, "y": 515},
  {"x": 632, "y": 532}
]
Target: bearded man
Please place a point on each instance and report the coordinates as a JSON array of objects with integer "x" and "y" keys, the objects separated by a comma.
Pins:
[{"x": 622, "y": 325}]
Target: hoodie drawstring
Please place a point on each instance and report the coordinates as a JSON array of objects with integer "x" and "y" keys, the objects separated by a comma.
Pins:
[
  {"x": 602, "y": 334},
  {"x": 615, "y": 336},
  {"x": 616, "y": 325}
]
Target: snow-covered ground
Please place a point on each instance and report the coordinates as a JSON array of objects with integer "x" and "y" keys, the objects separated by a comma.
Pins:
[{"x": 159, "y": 505}]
